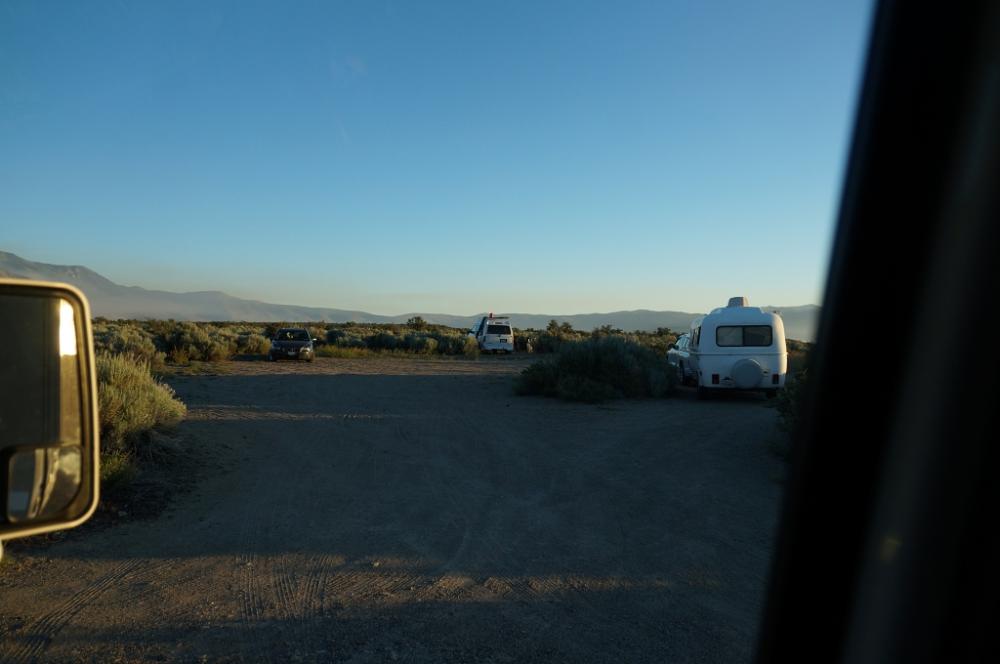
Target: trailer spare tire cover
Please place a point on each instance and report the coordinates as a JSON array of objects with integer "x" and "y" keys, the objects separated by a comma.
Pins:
[{"x": 747, "y": 374}]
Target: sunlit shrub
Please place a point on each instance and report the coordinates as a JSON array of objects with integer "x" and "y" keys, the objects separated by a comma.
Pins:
[
  {"x": 127, "y": 339},
  {"x": 131, "y": 402},
  {"x": 253, "y": 344}
]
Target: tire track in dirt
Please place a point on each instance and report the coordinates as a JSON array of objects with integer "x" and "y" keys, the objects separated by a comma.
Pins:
[
  {"x": 39, "y": 634},
  {"x": 252, "y": 647},
  {"x": 299, "y": 583},
  {"x": 324, "y": 563}
]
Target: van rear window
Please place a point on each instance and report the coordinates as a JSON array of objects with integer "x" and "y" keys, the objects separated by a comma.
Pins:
[
  {"x": 743, "y": 335},
  {"x": 498, "y": 329}
]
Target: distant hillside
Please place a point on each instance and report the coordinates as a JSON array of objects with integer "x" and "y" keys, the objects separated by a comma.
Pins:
[{"x": 111, "y": 300}]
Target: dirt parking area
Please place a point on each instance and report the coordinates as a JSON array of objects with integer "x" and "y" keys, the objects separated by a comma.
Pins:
[{"x": 414, "y": 510}]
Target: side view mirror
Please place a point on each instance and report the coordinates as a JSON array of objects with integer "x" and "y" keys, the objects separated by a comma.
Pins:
[
  {"x": 671, "y": 346},
  {"x": 315, "y": 339},
  {"x": 49, "y": 456}
]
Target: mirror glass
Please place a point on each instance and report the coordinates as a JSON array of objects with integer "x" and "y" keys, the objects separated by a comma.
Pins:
[
  {"x": 40, "y": 405},
  {"x": 42, "y": 482}
]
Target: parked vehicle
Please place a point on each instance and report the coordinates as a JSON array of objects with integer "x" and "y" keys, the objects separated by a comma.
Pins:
[
  {"x": 494, "y": 334},
  {"x": 678, "y": 356},
  {"x": 737, "y": 347},
  {"x": 292, "y": 343}
]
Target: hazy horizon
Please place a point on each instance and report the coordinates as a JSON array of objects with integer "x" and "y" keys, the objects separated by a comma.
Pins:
[
  {"x": 532, "y": 158},
  {"x": 334, "y": 305}
]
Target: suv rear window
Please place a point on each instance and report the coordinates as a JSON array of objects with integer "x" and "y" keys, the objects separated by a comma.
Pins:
[
  {"x": 743, "y": 335},
  {"x": 292, "y": 335},
  {"x": 497, "y": 329}
]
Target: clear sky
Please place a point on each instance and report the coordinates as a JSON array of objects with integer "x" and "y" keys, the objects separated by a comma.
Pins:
[{"x": 546, "y": 157}]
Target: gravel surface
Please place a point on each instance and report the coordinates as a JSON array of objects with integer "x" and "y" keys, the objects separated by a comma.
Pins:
[{"x": 416, "y": 511}]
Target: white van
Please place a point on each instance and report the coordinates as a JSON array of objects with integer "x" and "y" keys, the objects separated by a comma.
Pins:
[
  {"x": 738, "y": 347},
  {"x": 494, "y": 334}
]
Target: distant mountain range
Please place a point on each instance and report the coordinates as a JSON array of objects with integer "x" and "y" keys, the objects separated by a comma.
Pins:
[{"x": 112, "y": 300}]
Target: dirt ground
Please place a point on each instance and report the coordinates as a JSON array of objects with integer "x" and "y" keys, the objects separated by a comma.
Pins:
[{"x": 416, "y": 511}]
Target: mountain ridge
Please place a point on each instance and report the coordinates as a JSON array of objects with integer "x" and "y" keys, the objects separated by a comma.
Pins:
[{"x": 111, "y": 300}]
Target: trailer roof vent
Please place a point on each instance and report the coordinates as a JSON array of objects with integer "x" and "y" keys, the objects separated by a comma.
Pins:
[{"x": 741, "y": 301}]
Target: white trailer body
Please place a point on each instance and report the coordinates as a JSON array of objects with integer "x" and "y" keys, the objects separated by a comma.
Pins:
[{"x": 738, "y": 347}]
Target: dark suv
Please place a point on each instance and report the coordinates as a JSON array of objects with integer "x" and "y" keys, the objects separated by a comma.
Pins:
[{"x": 292, "y": 343}]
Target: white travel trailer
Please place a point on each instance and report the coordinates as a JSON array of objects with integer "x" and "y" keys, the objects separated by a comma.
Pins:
[
  {"x": 738, "y": 347},
  {"x": 494, "y": 334}
]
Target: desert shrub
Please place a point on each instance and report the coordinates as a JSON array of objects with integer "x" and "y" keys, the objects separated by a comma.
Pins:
[
  {"x": 351, "y": 341},
  {"x": 658, "y": 341},
  {"x": 253, "y": 344},
  {"x": 127, "y": 339},
  {"x": 382, "y": 341},
  {"x": 222, "y": 345},
  {"x": 185, "y": 342},
  {"x": 449, "y": 344},
  {"x": 798, "y": 356},
  {"x": 418, "y": 343},
  {"x": 599, "y": 369},
  {"x": 789, "y": 402},
  {"x": 580, "y": 388},
  {"x": 790, "y": 399},
  {"x": 540, "y": 378},
  {"x": 470, "y": 348},
  {"x": 132, "y": 403},
  {"x": 191, "y": 341},
  {"x": 553, "y": 336},
  {"x": 117, "y": 467}
]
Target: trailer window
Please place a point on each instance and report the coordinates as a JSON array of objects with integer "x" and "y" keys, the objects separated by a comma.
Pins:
[
  {"x": 729, "y": 336},
  {"x": 757, "y": 335},
  {"x": 743, "y": 335}
]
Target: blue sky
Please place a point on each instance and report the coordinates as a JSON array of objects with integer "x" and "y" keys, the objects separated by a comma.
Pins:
[{"x": 548, "y": 157}]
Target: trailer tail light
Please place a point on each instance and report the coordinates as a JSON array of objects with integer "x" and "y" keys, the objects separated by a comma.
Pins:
[
  {"x": 715, "y": 379},
  {"x": 775, "y": 378}
]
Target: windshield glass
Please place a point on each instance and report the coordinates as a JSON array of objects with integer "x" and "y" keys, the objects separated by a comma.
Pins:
[{"x": 379, "y": 484}]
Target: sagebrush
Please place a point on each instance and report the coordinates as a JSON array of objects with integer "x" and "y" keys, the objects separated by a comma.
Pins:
[
  {"x": 597, "y": 369},
  {"x": 132, "y": 405}
]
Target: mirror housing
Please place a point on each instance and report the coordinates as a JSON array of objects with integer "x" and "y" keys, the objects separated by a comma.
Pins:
[{"x": 49, "y": 438}]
